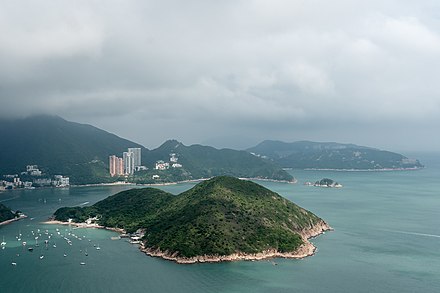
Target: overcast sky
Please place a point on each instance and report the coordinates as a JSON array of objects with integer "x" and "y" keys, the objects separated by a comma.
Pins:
[{"x": 228, "y": 73}]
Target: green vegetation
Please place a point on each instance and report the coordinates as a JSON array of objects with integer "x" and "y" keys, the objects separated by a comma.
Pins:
[
  {"x": 57, "y": 146},
  {"x": 205, "y": 162},
  {"x": 307, "y": 154},
  {"x": 81, "y": 152},
  {"x": 219, "y": 216},
  {"x": 6, "y": 213}
]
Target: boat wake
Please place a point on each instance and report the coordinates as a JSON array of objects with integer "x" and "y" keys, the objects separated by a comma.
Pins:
[{"x": 413, "y": 233}]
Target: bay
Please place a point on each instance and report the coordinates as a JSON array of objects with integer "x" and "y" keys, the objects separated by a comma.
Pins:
[{"x": 386, "y": 239}]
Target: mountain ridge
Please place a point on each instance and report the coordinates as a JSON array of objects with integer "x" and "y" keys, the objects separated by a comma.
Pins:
[{"x": 331, "y": 155}]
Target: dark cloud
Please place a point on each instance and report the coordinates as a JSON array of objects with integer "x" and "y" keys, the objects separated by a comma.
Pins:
[{"x": 229, "y": 73}]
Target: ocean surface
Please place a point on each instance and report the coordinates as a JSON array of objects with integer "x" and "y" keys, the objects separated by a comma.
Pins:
[{"x": 386, "y": 238}]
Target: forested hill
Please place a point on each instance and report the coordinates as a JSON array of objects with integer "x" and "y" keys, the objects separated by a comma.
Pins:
[
  {"x": 204, "y": 162},
  {"x": 331, "y": 155},
  {"x": 57, "y": 146},
  {"x": 220, "y": 216},
  {"x": 82, "y": 151}
]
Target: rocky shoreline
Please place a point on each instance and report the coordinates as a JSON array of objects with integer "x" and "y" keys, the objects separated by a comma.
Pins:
[{"x": 306, "y": 249}]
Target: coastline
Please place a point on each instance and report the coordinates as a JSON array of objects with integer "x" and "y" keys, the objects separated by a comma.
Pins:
[
  {"x": 13, "y": 220},
  {"x": 364, "y": 170},
  {"x": 83, "y": 225},
  {"x": 177, "y": 182},
  {"x": 305, "y": 250}
]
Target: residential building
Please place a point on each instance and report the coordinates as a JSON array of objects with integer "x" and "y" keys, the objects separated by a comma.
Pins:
[
  {"x": 161, "y": 165},
  {"x": 136, "y": 153},
  {"x": 116, "y": 166},
  {"x": 128, "y": 163}
]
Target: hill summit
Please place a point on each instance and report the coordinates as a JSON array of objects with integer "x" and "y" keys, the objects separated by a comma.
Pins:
[{"x": 220, "y": 219}]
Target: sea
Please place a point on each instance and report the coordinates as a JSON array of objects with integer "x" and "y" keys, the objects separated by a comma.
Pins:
[{"x": 386, "y": 238}]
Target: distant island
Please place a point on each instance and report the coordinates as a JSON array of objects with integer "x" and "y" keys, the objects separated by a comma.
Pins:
[
  {"x": 221, "y": 219},
  {"x": 332, "y": 156},
  {"x": 325, "y": 182}
]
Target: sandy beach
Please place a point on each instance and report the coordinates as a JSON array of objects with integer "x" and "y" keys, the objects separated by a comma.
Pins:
[{"x": 84, "y": 225}]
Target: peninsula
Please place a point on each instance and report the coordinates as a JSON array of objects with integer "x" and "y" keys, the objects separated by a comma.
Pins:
[
  {"x": 7, "y": 215},
  {"x": 221, "y": 219}
]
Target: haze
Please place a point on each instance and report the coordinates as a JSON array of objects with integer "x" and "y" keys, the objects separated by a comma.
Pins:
[{"x": 228, "y": 73}]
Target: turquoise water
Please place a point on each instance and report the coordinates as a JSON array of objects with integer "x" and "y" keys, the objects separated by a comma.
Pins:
[{"x": 386, "y": 239}]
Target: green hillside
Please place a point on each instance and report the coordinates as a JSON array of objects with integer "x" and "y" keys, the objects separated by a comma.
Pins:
[
  {"x": 204, "y": 162},
  {"x": 330, "y": 155},
  {"x": 57, "y": 146},
  {"x": 6, "y": 213},
  {"x": 219, "y": 216},
  {"x": 81, "y": 152}
]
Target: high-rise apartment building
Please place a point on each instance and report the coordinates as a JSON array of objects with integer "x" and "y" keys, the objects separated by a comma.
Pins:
[
  {"x": 112, "y": 165},
  {"x": 128, "y": 163},
  {"x": 136, "y": 156},
  {"x": 116, "y": 166}
]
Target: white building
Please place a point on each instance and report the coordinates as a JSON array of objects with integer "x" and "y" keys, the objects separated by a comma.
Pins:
[
  {"x": 128, "y": 163},
  {"x": 173, "y": 158},
  {"x": 61, "y": 181},
  {"x": 33, "y": 170},
  {"x": 136, "y": 153},
  {"x": 161, "y": 165},
  {"x": 30, "y": 168}
]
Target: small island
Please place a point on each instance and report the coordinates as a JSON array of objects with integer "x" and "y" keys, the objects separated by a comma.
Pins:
[
  {"x": 221, "y": 219},
  {"x": 7, "y": 215},
  {"x": 325, "y": 182}
]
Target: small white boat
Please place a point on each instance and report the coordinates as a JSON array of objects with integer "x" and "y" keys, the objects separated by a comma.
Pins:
[
  {"x": 41, "y": 256},
  {"x": 65, "y": 255},
  {"x": 82, "y": 263},
  {"x": 13, "y": 263}
]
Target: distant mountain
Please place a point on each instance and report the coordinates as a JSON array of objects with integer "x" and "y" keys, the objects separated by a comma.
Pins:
[
  {"x": 223, "y": 218},
  {"x": 81, "y": 152},
  {"x": 57, "y": 146},
  {"x": 204, "y": 162},
  {"x": 331, "y": 155}
]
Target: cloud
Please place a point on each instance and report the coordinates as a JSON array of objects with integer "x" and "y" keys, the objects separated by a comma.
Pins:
[{"x": 284, "y": 69}]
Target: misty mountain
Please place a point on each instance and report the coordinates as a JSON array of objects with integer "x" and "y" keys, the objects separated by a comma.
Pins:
[
  {"x": 81, "y": 152},
  {"x": 200, "y": 161},
  {"x": 331, "y": 155},
  {"x": 57, "y": 146}
]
